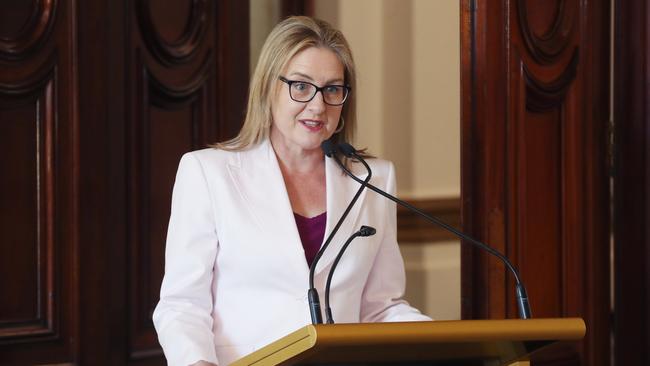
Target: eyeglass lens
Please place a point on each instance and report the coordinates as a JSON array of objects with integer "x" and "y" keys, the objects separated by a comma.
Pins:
[{"x": 304, "y": 92}]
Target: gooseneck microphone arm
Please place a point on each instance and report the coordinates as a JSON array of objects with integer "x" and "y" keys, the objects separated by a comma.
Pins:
[
  {"x": 312, "y": 294},
  {"x": 522, "y": 297},
  {"x": 364, "y": 231}
]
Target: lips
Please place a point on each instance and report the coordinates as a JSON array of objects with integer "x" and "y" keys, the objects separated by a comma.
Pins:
[{"x": 312, "y": 125}]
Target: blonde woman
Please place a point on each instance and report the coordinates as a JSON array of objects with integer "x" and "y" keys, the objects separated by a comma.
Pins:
[{"x": 248, "y": 215}]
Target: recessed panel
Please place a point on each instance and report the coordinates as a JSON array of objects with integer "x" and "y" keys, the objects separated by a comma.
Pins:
[
  {"x": 171, "y": 18},
  {"x": 19, "y": 207},
  {"x": 171, "y": 134},
  {"x": 15, "y": 16},
  {"x": 539, "y": 211},
  {"x": 542, "y": 15},
  {"x": 170, "y": 130}
]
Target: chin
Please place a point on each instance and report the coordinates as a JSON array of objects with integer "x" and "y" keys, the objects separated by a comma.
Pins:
[{"x": 312, "y": 143}]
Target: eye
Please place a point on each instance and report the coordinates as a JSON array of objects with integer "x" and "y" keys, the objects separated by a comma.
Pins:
[
  {"x": 333, "y": 89},
  {"x": 300, "y": 86}
]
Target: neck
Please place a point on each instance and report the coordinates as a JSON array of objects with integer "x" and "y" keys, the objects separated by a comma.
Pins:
[{"x": 298, "y": 161}]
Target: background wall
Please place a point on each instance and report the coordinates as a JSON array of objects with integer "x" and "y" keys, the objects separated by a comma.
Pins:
[{"x": 407, "y": 55}]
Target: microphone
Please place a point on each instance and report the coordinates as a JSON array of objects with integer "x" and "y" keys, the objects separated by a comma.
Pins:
[
  {"x": 329, "y": 149},
  {"x": 522, "y": 297},
  {"x": 364, "y": 231}
]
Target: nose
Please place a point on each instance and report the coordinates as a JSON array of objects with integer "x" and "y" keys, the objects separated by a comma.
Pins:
[{"x": 317, "y": 103}]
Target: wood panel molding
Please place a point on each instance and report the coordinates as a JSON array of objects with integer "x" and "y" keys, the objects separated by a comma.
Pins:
[
  {"x": 34, "y": 242},
  {"x": 547, "y": 47},
  {"x": 38, "y": 206},
  {"x": 33, "y": 31},
  {"x": 631, "y": 176},
  {"x": 534, "y": 177},
  {"x": 98, "y": 101},
  {"x": 413, "y": 229},
  {"x": 543, "y": 95},
  {"x": 151, "y": 166},
  {"x": 174, "y": 107},
  {"x": 33, "y": 83},
  {"x": 180, "y": 50},
  {"x": 180, "y": 92},
  {"x": 153, "y": 158}
]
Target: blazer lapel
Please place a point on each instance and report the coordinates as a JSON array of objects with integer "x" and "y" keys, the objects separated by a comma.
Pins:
[
  {"x": 258, "y": 178},
  {"x": 256, "y": 174},
  {"x": 340, "y": 191}
]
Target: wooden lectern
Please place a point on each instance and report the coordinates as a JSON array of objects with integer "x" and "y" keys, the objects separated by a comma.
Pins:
[{"x": 463, "y": 342}]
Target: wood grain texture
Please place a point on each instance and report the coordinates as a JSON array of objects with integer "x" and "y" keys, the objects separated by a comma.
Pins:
[
  {"x": 469, "y": 342},
  {"x": 26, "y": 133},
  {"x": 632, "y": 183},
  {"x": 534, "y": 175},
  {"x": 27, "y": 26},
  {"x": 184, "y": 96},
  {"x": 38, "y": 205},
  {"x": 97, "y": 103}
]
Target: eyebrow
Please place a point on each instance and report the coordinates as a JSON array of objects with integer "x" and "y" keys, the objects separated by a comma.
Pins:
[{"x": 329, "y": 82}]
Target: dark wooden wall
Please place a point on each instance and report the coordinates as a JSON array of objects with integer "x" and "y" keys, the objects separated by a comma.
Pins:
[
  {"x": 535, "y": 83},
  {"x": 98, "y": 100},
  {"x": 632, "y": 183},
  {"x": 38, "y": 199}
]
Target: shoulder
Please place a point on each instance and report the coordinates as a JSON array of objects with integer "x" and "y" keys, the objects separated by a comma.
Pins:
[
  {"x": 211, "y": 158},
  {"x": 203, "y": 164},
  {"x": 383, "y": 171},
  {"x": 214, "y": 161},
  {"x": 209, "y": 155},
  {"x": 380, "y": 167}
]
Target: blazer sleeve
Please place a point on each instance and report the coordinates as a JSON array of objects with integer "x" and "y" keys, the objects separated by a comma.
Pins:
[
  {"x": 183, "y": 317},
  {"x": 382, "y": 295}
]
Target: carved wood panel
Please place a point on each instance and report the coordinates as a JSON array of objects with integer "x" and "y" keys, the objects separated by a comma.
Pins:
[
  {"x": 98, "y": 100},
  {"x": 37, "y": 204},
  {"x": 631, "y": 183},
  {"x": 535, "y": 86},
  {"x": 177, "y": 62}
]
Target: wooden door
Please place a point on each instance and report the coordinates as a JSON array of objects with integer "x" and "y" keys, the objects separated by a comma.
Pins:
[
  {"x": 98, "y": 100},
  {"x": 186, "y": 81},
  {"x": 535, "y": 86},
  {"x": 632, "y": 183},
  {"x": 38, "y": 201}
]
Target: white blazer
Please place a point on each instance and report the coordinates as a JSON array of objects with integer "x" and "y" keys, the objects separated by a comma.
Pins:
[{"x": 236, "y": 277}]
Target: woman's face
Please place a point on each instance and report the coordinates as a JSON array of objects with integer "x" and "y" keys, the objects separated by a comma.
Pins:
[{"x": 299, "y": 127}]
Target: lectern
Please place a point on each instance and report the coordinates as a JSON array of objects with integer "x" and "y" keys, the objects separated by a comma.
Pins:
[{"x": 464, "y": 342}]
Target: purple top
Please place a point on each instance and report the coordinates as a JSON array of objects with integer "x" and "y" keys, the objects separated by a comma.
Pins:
[{"x": 312, "y": 231}]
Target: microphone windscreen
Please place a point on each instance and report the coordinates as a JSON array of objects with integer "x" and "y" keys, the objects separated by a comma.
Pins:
[
  {"x": 347, "y": 149},
  {"x": 367, "y": 230},
  {"x": 328, "y": 148}
]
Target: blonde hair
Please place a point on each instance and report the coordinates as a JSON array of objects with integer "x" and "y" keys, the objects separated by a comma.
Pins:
[{"x": 288, "y": 38}]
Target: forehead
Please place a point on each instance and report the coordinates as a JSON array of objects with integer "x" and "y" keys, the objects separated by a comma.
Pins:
[{"x": 316, "y": 63}]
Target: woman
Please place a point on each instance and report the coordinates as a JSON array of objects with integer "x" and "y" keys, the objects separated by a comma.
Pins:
[{"x": 249, "y": 214}]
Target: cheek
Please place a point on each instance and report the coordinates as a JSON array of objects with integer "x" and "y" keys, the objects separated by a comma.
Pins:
[
  {"x": 286, "y": 110},
  {"x": 334, "y": 116}
]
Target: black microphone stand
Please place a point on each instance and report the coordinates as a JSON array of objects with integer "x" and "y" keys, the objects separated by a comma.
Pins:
[
  {"x": 522, "y": 297},
  {"x": 364, "y": 231},
  {"x": 312, "y": 294}
]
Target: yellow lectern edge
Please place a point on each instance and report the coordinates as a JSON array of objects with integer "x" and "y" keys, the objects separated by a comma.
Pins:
[{"x": 283, "y": 349}]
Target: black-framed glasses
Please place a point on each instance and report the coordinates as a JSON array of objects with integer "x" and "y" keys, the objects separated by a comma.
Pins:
[{"x": 304, "y": 91}]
